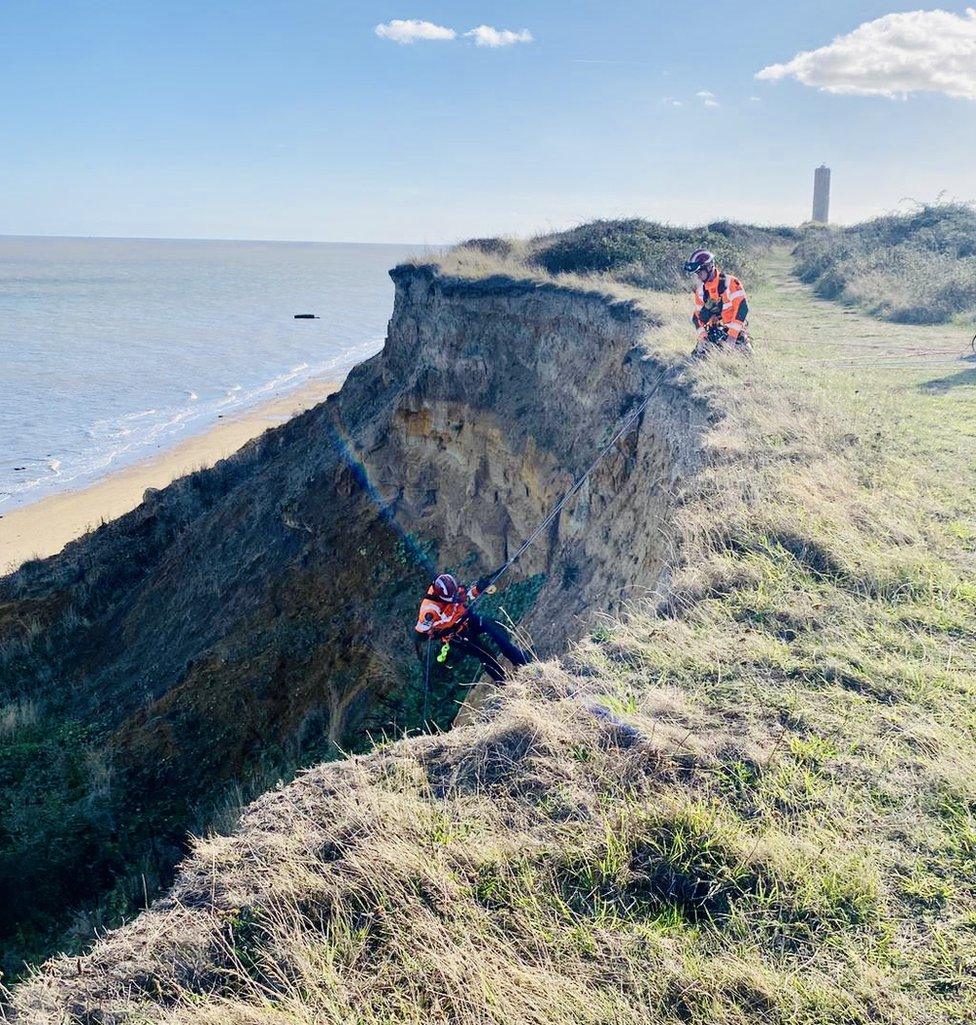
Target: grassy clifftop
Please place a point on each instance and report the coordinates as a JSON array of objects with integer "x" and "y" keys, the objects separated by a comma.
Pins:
[
  {"x": 748, "y": 800},
  {"x": 624, "y": 257},
  {"x": 914, "y": 268}
]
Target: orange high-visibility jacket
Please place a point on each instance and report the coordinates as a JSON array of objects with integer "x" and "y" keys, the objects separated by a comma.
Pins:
[
  {"x": 441, "y": 618},
  {"x": 727, "y": 290}
]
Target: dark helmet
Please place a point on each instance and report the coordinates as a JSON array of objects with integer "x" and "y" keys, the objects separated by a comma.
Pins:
[
  {"x": 701, "y": 260},
  {"x": 445, "y": 586}
]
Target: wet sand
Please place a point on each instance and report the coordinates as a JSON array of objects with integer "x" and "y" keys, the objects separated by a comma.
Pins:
[{"x": 46, "y": 526}]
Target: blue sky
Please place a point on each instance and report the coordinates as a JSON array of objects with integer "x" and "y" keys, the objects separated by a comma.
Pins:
[{"x": 294, "y": 119}]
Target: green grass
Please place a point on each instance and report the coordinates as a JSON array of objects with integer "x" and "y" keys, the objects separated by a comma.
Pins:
[{"x": 643, "y": 253}]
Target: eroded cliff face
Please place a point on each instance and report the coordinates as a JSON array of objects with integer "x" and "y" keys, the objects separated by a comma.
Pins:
[
  {"x": 251, "y": 614},
  {"x": 518, "y": 387}
]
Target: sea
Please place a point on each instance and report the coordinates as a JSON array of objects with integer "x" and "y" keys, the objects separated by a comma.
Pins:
[{"x": 112, "y": 350}]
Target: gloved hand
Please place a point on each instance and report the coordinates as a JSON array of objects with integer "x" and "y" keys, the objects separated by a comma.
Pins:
[
  {"x": 486, "y": 580},
  {"x": 717, "y": 334}
]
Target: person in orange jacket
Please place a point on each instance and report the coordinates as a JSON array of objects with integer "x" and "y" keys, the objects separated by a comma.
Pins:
[
  {"x": 446, "y": 616},
  {"x": 721, "y": 307}
]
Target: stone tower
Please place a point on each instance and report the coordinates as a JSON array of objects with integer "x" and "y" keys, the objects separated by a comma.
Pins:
[{"x": 821, "y": 194}]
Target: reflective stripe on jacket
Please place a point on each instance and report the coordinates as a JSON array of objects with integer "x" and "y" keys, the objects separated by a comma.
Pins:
[
  {"x": 726, "y": 290},
  {"x": 439, "y": 617}
]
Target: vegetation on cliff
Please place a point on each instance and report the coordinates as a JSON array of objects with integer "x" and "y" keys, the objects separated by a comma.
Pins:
[
  {"x": 914, "y": 268},
  {"x": 104, "y": 769},
  {"x": 748, "y": 798},
  {"x": 626, "y": 257}
]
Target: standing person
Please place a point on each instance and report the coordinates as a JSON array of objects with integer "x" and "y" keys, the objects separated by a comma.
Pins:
[
  {"x": 721, "y": 307},
  {"x": 446, "y": 617}
]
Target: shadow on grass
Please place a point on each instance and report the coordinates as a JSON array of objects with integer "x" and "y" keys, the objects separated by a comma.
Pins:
[{"x": 960, "y": 379}]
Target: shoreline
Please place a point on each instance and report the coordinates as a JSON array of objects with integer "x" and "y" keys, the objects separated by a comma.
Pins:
[{"x": 42, "y": 528}]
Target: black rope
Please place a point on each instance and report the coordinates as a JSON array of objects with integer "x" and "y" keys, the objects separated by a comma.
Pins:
[
  {"x": 426, "y": 705},
  {"x": 574, "y": 488}
]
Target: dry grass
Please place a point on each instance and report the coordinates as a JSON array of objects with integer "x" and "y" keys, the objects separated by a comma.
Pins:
[
  {"x": 914, "y": 268},
  {"x": 473, "y": 263},
  {"x": 537, "y": 866},
  {"x": 17, "y": 716},
  {"x": 750, "y": 800},
  {"x": 621, "y": 260}
]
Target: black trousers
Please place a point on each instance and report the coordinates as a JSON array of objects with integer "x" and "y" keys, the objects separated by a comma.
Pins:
[{"x": 471, "y": 641}]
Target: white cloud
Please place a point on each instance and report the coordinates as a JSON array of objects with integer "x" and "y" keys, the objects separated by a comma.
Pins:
[
  {"x": 893, "y": 56},
  {"x": 705, "y": 94},
  {"x": 485, "y": 35},
  {"x": 410, "y": 31}
]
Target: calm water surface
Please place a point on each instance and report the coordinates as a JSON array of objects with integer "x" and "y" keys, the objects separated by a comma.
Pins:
[{"x": 113, "y": 349}]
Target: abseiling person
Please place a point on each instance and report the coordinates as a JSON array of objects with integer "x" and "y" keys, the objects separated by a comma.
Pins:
[{"x": 446, "y": 617}]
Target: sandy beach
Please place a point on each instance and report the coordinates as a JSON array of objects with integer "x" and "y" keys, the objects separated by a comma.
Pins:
[{"x": 46, "y": 526}]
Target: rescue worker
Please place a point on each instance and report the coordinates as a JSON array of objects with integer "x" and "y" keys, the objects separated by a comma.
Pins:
[
  {"x": 721, "y": 307},
  {"x": 446, "y": 618}
]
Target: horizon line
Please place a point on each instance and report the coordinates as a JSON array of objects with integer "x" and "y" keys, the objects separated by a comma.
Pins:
[{"x": 199, "y": 238}]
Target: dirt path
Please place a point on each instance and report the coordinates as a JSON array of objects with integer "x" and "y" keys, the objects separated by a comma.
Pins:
[{"x": 789, "y": 317}]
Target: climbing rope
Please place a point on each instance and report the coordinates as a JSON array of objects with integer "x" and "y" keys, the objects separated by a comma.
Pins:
[
  {"x": 426, "y": 705},
  {"x": 936, "y": 358},
  {"x": 624, "y": 428},
  {"x": 621, "y": 432}
]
